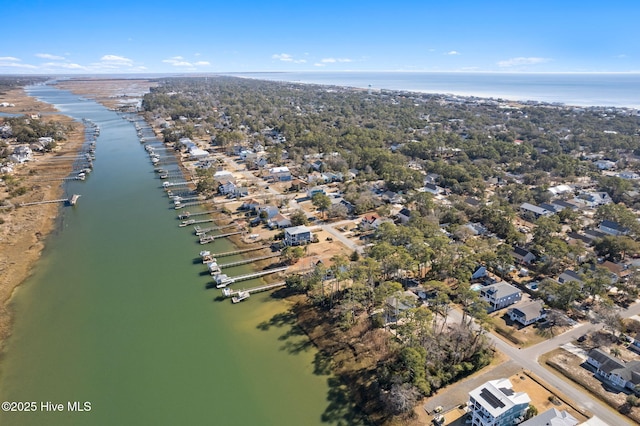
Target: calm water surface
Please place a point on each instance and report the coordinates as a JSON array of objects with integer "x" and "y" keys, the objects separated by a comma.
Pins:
[{"x": 117, "y": 314}]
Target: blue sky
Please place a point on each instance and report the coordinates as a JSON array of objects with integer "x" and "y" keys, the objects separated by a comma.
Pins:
[{"x": 80, "y": 37}]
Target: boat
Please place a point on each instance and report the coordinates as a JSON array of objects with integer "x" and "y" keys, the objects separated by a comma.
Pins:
[
  {"x": 213, "y": 268},
  {"x": 206, "y": 239},
  {"x": 222, "y": 280},
  {"x": 187, "y": 222},
  {"x": 242, "y": 295}
]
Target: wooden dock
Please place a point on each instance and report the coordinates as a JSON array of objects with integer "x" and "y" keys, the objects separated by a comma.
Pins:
[
  {"x": 187, "y": 215},
  {"x": 231, "y": 280},
  {"x": 201, "y": 231},
  {"x": 231, "y": 253},
  {"x": 227, "y": 292},
  {"x": 245, "y": 261},
  {"x": 72, "y": 201},
  {"x": 206, "y": 239},
  {"x": 194, "y": 222}
]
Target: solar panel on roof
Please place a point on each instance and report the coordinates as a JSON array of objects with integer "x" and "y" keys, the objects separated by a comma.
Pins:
[
  {"x": 491, "y": 398},
  {"x": 507, "y": 391}
]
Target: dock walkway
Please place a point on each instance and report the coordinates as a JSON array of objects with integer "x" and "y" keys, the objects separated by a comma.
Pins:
[
  {"x": 227, "y": 292},
  {"x": 231, "y": 253},
  {"x": 245, "y": 261}
]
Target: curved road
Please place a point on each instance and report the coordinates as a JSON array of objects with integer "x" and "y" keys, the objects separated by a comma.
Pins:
[{"x": 528, "y": 360}]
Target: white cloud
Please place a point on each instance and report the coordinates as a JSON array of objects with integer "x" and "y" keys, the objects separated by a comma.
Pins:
[
  {"x": 9, "y": 59},
  {"x": 319, "y": 64},
  {"x": 285, "y": 57},
  {"x": 179, "y": 61},
  {"x": 453, "y": 52},
  {"x": 334, "y": 60},
  {"x": 114, "y": 59},
  {"x": 50, "y": 56},
  {"x": 515, "y": 62},
  {"x": 64, "y": 65}
]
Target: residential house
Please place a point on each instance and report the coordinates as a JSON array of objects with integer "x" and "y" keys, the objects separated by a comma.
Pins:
[
  {"x": 391, "y": 197},
  {"x": 629, "y": 175},
  {"x": 560, "y": 189},
  {"x": 250, "y": 204},
  {"x": 196, "y": 153},
  {"x": 562, "y": 204},
  {"x": 552, "y": 417},
  {"x": 279, "y": 221},
  {"x": 280, "y": 174},
  {"x": 368, "y": 220},
  {"x": 593, "y": 235},
  {"x": 495, "y": 403},
  {"x": 268, "y": 212},
  {"x": 226, "y": 187},
  {"x": 433, "y": 189},
  {"x": 536, "y": 211},
  {"x": 605, "y": 164},
  {"x": 613, "y": 370},
  {"x": 297, "y": 185},
  {"x": 528, "y": 313},
  {"x": 612, "y": 228},
  {"x": 404, "y": 215},
  {"x": 477, "y": 228},
  {"x": 500, "y": 295},
  {"x": 297, "y": 235},
  {"x": 523, "y": 256},
  {"x": 241, "y": 191},
  {"x": 261, "y": 162},
  {"x": 595, "y": 199},
  {"x": 569, "y": 275},
  {"x": 315, "y": 190},
  {"x": 21, "y": 154},
  {"x": 618, "y": 270},
  {"x": 402, "y": 302}
]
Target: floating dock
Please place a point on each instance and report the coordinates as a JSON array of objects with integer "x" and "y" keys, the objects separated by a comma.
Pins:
[
  {"x": 202, "y": 231},
  {"x": 187, "y": 215}
]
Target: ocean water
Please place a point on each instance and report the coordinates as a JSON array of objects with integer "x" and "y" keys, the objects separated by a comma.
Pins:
[{"x": 619, "y": 90}]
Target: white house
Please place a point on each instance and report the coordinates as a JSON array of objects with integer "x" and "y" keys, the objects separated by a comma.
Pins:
[
  {"x": 552, "y": 417},
  {"x": 528, "y": 313},
  {"x": 614, "y": 371},
  {"x": 297, "y": 235},
  {"x": 500, "y": 295},
  {"x": 21, "y": 154},
  {"x": 495, "y": 403},
  {"x": 280, "y": 174}
]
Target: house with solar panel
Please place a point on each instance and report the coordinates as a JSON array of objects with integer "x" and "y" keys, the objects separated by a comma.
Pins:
[{"x": 495, "y": 403}]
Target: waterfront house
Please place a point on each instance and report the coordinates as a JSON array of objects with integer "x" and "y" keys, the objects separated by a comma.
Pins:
[
  {"x": 528, "y": 313},
  {"x": 21, "y": 154},
  {"x": 297, "y": 235},
  {"x": 226, "y": 187},
  {"x": 495, "y": 403},
  {"x": 500, "y": 295},
  {"x": 250, "y": 204},
  {"x": 614, "y": 371}
]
